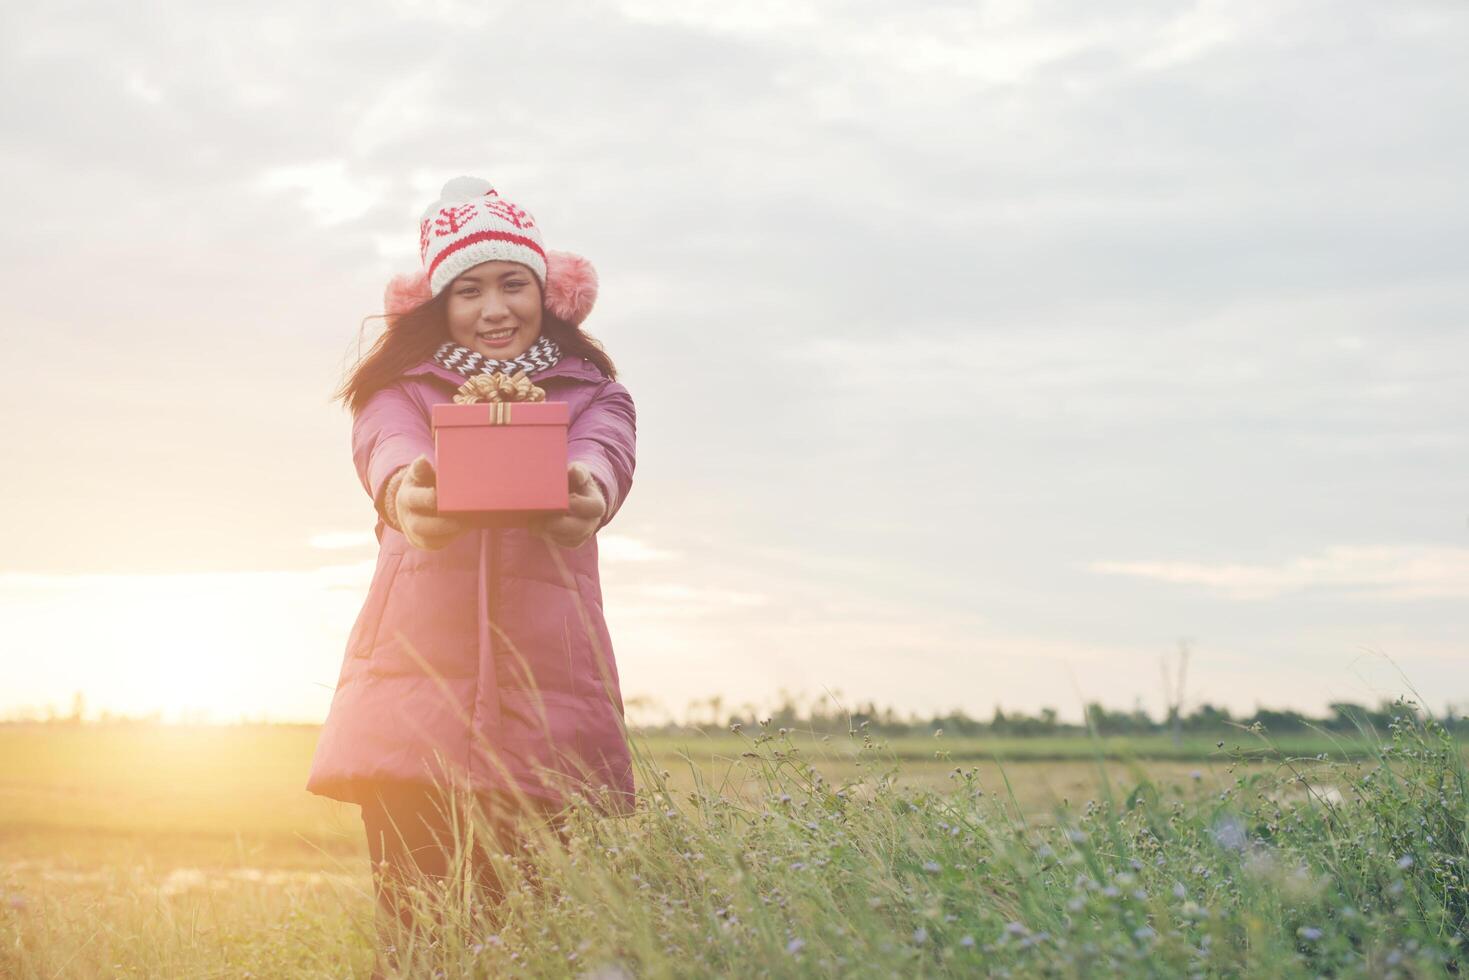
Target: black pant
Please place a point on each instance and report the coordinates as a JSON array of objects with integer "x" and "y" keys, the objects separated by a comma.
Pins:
[{"x": 410, "y": 839}]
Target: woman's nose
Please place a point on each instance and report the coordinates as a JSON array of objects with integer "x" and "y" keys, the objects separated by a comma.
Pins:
[{"x": 494, "y": 308}]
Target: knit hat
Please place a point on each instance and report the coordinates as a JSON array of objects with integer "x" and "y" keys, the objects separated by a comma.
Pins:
[{"x": 471, "y": 223}]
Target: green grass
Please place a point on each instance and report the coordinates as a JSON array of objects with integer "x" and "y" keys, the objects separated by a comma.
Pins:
[
  {"x": 195, "y": 852},
  {"x": 1191, "y": 748}
]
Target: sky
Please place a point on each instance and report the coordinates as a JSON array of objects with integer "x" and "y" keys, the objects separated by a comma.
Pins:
[{"x": 984, "y": 354}]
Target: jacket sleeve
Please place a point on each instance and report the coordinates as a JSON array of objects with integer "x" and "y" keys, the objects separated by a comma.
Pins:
[
  {"x": 390, "y": 432},
  {"x": 604, "y": 438}
]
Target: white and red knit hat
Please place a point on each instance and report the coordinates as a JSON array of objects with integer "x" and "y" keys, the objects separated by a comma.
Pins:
[{"x": 471, "y": 223}]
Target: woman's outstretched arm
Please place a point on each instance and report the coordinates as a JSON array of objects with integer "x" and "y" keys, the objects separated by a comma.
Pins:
[
  {"x": 388, "y": 434},
  {"x": 604, "y": 439}
]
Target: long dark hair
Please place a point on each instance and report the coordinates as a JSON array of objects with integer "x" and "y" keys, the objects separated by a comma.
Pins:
[{"x": 411, "y": 338}]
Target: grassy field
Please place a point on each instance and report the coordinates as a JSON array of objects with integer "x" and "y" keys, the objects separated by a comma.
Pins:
[
  {"x": 171, "y": 851},
  {"x": 222, "y": 795}
]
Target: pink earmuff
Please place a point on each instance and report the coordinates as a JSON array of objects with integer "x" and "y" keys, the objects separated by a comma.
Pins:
[
  {"x": 571, "y": 288},
  {"x": 405, "y": 291}
]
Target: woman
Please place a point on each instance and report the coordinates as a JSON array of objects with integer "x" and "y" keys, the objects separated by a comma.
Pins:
[{"x": 481, "y": 658}]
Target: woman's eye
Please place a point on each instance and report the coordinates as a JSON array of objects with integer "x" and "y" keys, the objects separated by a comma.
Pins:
[
  {"x": 465, "y": 292},
  {"x": 515, "y": 285}
]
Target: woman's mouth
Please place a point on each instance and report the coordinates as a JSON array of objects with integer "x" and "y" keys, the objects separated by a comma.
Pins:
[{"x": 496, "y": 338}]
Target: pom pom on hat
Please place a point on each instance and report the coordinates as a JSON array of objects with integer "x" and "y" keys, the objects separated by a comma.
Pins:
[
  {"x": 571, "y": 286},
  {"x": 459, "y": 189}
]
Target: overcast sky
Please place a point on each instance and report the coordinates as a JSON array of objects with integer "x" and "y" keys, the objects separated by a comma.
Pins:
[{"x": 982, "y": 351}]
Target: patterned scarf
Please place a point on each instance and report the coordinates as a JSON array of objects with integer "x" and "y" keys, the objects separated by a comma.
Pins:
[{"x": 541, "y": 355}]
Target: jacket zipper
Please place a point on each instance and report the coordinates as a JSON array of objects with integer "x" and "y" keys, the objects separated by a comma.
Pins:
[{"x": 491, "y": 668}]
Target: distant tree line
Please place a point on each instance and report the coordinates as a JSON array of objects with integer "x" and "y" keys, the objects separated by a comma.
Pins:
[
  {"x": 824, "y": 716},
  {"x": 1345, "y": 718}
]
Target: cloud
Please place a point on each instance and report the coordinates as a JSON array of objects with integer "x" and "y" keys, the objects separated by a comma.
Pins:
[
  {"x": 325, "y": 189},
  {"x": 705, "y": 599},
  {"x": 1388, "y": 573},
  {"x": 139, "y": 85},
  {"x": 335, "y": 540},
  {"x": 624, "y": 548},
  {"x": 651, "y": 607}
]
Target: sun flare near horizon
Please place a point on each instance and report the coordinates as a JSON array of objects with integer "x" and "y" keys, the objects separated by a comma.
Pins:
[{"x": 209, "y": 646}]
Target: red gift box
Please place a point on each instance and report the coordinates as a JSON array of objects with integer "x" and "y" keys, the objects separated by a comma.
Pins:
[{"x": 503, "y": 459}]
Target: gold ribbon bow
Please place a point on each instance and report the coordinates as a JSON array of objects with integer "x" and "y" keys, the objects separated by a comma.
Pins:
[{"x": 499, "y": 387}]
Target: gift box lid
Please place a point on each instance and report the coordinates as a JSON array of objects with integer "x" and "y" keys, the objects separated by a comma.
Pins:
[{"x": 504, "y": 413}]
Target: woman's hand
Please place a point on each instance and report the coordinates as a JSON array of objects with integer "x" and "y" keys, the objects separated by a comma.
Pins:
[
  {"x": 585, "y": 505},
  {"x": 418, "y": 509}
]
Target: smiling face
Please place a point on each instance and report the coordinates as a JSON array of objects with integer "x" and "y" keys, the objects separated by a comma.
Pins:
[{"x": 494, "y": 308}]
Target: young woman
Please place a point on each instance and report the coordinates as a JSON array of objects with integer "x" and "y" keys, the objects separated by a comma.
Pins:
[{"x": 481, "y": 659}]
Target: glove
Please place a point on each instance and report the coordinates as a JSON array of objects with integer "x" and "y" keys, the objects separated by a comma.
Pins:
[
  {"x": 585, "y": 509},
  {"x": 413, "y": 503}
]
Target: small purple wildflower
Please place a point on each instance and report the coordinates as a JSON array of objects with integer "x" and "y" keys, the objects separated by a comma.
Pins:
[{"x": 1229, "y": 834}]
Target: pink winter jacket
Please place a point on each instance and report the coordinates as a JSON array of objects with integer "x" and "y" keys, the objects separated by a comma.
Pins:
[{"x": 489, "y": 659}]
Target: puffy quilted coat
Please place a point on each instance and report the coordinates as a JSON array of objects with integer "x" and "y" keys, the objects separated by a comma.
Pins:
[{"x": 490, "y": 658}]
